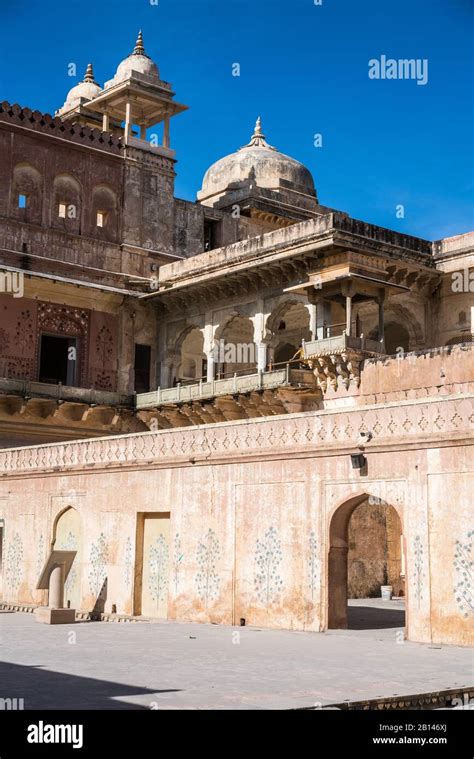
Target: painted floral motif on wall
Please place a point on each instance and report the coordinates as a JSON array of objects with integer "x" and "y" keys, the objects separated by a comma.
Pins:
[
  {"x": 418, "y": 569},
  {"x": 98, "y": 559},
  {"x": 158, "y": 563},
  {"x": 20, "y": 365},
  {"x": 104, "y": 346},
  {"x": 102, "y": 376},
  {"x": 207, "y": 578},
  {"x": 268, "y": 557},
  {"x": 24, "y": 337},
  {"x": 14, "y": 563},
  {"x": 464, "y": 569},
  {"x": 128, "y": 567},
  {"x": 177, "y": 559},
  {"x": 40, "y": 557},
  {"x": 314, "y": 566}
]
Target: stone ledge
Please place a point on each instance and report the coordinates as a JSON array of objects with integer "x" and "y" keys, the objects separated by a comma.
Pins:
[
  {"x": 47, "y": 616},
  {"x": 433, "y": 700},
  {"x": 81, "y": 616}
]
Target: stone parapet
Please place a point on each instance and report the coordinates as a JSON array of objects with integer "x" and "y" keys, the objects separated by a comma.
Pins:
[
  {"x": 56, "y": 127},
  {"x": 301, "y": 237}
]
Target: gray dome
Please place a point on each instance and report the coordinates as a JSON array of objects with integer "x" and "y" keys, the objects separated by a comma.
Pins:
[{"x": 260, "y": 162}]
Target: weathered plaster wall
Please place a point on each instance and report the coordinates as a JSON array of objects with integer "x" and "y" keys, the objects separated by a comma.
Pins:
[
  {"x": 148, "y": 218},
  {"x": 250, "y": 510}
]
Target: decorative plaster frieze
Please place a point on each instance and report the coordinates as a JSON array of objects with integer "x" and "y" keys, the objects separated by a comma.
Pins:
[{"x": 399, "y": 424}]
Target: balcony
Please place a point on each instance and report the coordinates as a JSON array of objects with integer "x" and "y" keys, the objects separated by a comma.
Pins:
[
  {"x": 229, "y": 386},
  {"x": 342, "y": 343},
  {"x": 58, "y": 392},
  {"x": 337, "y": 361}
]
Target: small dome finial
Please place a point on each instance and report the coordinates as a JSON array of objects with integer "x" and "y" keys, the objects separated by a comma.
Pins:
[
  {"x": 139, "y": 48},
  {"x": 258, "y": 138},
  {"x": 89, "y": 75}
]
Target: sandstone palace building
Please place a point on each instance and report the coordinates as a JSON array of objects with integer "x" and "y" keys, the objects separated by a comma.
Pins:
[{"x": 247, "y": 408}]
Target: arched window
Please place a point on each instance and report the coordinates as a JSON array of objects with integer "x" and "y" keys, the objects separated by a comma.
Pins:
[
  {"x": 103, "y": 219},
  {"x": 66, "y": 204},
  {"x": 26, "y": 194}
]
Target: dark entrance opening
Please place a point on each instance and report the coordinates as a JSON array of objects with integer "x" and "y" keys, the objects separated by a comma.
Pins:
[
  {"x": 284, "y": 352},
  {"x": 211, "y": 234},
  {"x": 58, "y": 359},
  {"x": 142, "y": 368}
]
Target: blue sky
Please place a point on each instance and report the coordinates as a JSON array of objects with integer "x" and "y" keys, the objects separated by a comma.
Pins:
[{"x": 304, "y": 68}]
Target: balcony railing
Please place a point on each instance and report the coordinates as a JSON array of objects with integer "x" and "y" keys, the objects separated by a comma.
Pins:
[
  {"x": 339, "y": 343},
  {"x": 59, "y": 392},
  {"x": 230, "y": 386}
]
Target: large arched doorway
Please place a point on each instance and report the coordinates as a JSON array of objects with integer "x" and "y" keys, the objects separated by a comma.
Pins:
[
  {"x": 365, "y": 553},
  {"x": 67, "y": 536}
]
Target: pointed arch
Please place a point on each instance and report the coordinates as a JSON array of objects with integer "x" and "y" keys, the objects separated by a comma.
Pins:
[
  {"x": 337, "y": 556},
  {"x": 67, "y": 535}
]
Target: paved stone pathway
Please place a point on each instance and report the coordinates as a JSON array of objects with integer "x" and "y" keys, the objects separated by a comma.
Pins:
[{"x": 169, "y": 665}]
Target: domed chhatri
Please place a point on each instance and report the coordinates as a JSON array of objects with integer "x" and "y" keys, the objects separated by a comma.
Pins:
[
  {"x": 135, "y": 99},
  {"x": 260, "y": 163},
  {"x": 137, "y": 62},
  {"x": 86, "y": 90}
]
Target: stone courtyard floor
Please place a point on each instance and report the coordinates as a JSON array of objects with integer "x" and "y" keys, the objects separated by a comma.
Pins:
[{"x": 170, "y": 665}]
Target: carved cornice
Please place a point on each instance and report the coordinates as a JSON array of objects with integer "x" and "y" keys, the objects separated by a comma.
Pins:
[{"x": 395, "y": 426}]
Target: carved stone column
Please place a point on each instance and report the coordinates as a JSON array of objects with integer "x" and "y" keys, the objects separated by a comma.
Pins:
[
  {"x": 381, "y": 302},
  {"x": 259, "y": 320},
  {"x": 210, "y": 348},
  {"x": 312, "y": 311}
]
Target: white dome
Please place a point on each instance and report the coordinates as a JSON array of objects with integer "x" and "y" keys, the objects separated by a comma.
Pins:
[
  {"x": 138, "y": 62},
  {"x": 142, "y": 64},
  {"x": 262, "y": 164},
  {"x": 88, "y": 89}
]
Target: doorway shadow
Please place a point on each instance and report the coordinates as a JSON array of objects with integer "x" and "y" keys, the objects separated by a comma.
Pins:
[{"x": 374, "y": 618}]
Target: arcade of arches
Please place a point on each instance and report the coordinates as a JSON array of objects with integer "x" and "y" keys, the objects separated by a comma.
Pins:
[{"x": 244, "y": 343}]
